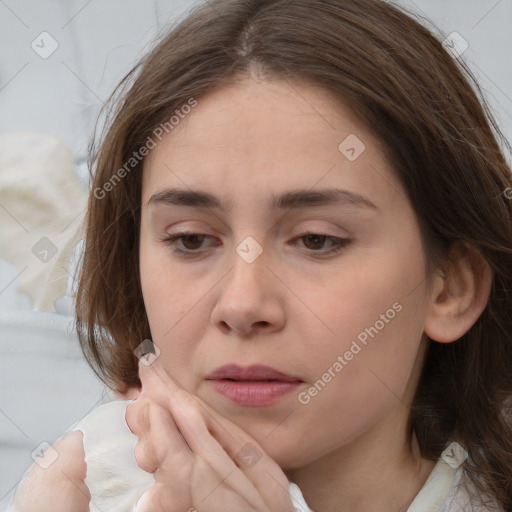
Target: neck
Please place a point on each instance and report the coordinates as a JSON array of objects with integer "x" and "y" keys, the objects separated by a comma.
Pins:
[{"x": 375, "y": 472}]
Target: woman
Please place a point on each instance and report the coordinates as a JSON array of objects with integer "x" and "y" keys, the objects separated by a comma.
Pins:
[{"x": 304, "y": 206}]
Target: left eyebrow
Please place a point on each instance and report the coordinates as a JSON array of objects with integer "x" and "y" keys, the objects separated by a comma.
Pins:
[
  {"x": 293, "y": 199},
  {"x": 309, "y": 198}
]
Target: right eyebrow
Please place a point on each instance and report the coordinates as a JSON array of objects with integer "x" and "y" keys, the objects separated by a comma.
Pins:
[{"x": 193, "y": 198}]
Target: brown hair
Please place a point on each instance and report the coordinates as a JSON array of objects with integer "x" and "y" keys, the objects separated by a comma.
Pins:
[{"x": 442, "y": 140}]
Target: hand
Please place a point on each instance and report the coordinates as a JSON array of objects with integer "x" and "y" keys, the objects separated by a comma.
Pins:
[
  {"x": 59, "y": 487},
  {"x": 201, "y": 461}
]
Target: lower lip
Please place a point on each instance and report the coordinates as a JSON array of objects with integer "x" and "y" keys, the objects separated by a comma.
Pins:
[{"x": 254, "y": 393}]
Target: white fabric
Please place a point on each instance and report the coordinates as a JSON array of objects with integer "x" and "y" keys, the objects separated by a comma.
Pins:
[
  {"x": 435, "y": 490},
  {"x": 42, "y": 205},
  {"x": 448, "y": 489},
  {"x": 113, "y": 477}
]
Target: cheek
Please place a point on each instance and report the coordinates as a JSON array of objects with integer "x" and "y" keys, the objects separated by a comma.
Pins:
[
  {"x": 367, "y": 365},
  {"x": 374, "y": 296},
  {"x": 166, "y": 298},
  {"x": 352, "y": 387},
  {"x": 177, "y": 311},
  {"x": 166, "y": 293}
]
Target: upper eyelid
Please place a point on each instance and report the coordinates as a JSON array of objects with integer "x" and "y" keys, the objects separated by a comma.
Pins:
[
  {"x": 302, "y": 233},
  {"x": 332, "y": 224},
  {"x": 161, "y": 215}
]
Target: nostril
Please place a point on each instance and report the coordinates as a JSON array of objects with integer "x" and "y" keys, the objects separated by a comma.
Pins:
[{"x": 243, "y": 328}]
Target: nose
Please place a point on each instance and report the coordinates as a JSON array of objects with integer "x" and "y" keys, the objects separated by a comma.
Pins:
[{"x": 250, "y": 299}]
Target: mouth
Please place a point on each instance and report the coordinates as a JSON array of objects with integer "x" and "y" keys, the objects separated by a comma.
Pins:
[{"x": 252, "y": 386}]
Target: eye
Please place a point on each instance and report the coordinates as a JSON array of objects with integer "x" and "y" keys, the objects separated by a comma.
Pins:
[
  {"x": 315, "y": 242},
  {"x": 191, "y": 242}
]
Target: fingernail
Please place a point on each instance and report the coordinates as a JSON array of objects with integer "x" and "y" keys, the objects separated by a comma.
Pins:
[{"x": 147, "y": 352}]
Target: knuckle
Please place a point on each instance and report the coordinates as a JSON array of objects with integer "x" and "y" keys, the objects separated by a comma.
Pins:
[
  {"x": 167, "y": 499},
  {"x": 130, "y": 418},
  {"x": 145, "y": 457},
  {"x": 137, "y": 416}
]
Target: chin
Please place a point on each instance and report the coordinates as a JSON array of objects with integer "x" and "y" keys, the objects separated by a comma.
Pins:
[{"x": 288, "y": 455}]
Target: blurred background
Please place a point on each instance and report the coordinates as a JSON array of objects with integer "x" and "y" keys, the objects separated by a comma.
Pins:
[{"x": 59, "y": 62}]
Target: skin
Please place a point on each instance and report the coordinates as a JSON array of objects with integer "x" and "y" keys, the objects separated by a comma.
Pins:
[
  {"x": 294, "y": 308},
  {"x": 63, "y": 479}
]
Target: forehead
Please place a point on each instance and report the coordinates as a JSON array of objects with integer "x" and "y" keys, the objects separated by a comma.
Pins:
[{"x": 255, "y": 138}]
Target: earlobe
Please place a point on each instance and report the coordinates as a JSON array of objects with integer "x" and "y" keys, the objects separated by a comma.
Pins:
[{"x": 459, "y": 294}]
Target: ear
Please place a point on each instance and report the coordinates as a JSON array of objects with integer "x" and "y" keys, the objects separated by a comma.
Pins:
[{"x": 459, "y": 294}]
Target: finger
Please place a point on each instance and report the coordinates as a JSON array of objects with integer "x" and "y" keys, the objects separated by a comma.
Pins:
[
  {"x": 162, "y": 498},
  {"x": 64, "y": 477},
  {"x": 251, "y": 460},
  {"x": 162, "y": 387},
  {"x": 137, "y": 419},
  {"x": 169, "y": 445},
  {"x": 158, "y": 386},
  {"x": 184, "y": 407},
  {"x": 225, "y": 446},
  {"x": 152, "y": 376},
  {"x": 137, "y": 416},
  {"x": 185, "y": 410},
  {"x": 159, "y": 438}
]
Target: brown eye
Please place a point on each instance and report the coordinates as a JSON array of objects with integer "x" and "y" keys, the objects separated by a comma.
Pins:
[
  {"x": 192, "y": 242},
  {"x": 187, "y": 244},
  {"x": 314, "y": 242}
]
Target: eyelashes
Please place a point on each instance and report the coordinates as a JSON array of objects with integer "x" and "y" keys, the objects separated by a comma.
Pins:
[{"x": 191, "y": 243}]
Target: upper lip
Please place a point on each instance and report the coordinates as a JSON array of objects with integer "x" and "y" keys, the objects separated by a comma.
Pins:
[{"x": 254, "y": 372}]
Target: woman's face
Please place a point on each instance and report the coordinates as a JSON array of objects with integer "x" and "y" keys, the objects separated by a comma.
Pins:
[{"x": 328, "y": 288}]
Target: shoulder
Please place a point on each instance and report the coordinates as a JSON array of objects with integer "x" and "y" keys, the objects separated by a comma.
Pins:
[{"x": 56, "y": 482}]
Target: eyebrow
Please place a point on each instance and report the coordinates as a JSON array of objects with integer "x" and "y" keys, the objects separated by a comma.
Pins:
[{"x": 288, "y": 200}]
